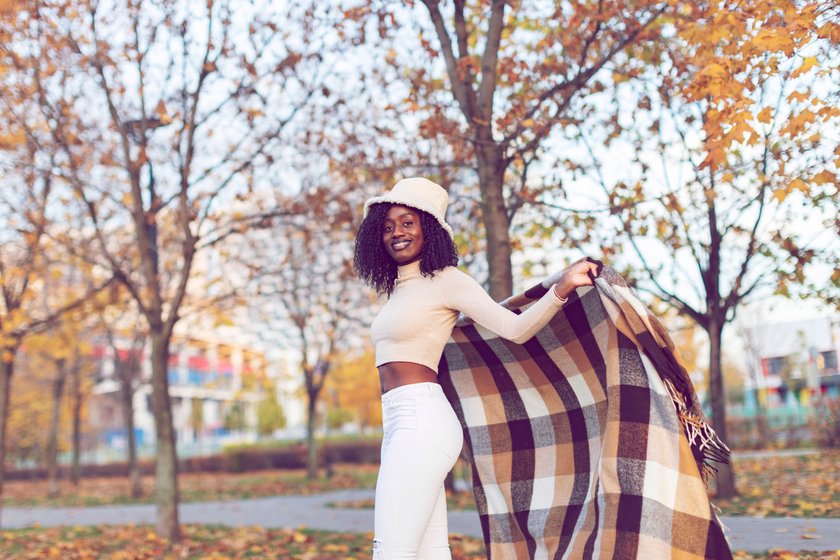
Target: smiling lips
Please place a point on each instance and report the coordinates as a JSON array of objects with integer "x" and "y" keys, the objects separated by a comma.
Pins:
[{"x": 400, "y": 245}]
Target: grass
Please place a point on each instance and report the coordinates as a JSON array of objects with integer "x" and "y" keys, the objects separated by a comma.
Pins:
[
  {"x": 194, "y": 487},
  {"x": 793, "y": 486},
  {"x": 786, "y": 486},
  {"x": 289, "y": 443}
]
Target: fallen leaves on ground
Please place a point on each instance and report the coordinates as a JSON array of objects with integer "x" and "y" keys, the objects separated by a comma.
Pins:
[
  {"x": 783, "y": 486},
  {"x": 213, "y": 542},
  {"x": 199, "y": 542},
  {"x": 786, "y": 486},
  {"x": 194, "y": 487}
]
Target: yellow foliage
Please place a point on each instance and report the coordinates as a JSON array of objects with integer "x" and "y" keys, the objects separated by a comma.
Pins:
[
  {"x": 353, "y": 385},
  {"x": 11, "y": 138},
  {"x": 160, "y": 111},
  {"x": 829, "y": 30},
  {"x": 797, "y": 96},
  {"x": 806, "y": 66},
  {"x": 776, "y": 40},
  {"x": 799, "y": 185},
  {"x": 714, "y": 71},
  {"x": 734, "y": 51},
  {"x": 765, "y": 115},
  {"x": 797, "y": 123},
  {"x": 9, "y": 6},
  {"x": 779, "y": 195},
  {"x": 29, "y": 415},
  {"x": 825, "y": 177},
  {"x": 37, "y": 367}
]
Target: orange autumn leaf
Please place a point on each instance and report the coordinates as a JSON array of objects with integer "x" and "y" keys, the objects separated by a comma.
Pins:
[
  {"x": 807, "y": 64},
  {"x": 797, "y": 96},
  {"x": 799, "y": 185},
  {"x": 765, "y": 115},
  {"x": 798, "y": 122},
  {"x": 825, "y": 177},
  {"x": 778, "y": 39}
]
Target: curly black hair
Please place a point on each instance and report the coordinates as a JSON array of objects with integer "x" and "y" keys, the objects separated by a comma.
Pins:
[{"x": 376, "y": 267}]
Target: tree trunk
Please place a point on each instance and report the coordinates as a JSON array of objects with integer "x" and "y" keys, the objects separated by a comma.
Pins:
[
  {"x": 166, "y": 461},
  {"x": 761, "y": 421},
  {"x": 7, "y": 367},
  {"x": 312, "y": 451},
  {"x": 52, "y": 436},
  {"x": 725, "y": 479},
  {"x": 491, "y": 173},
  {"x": 75, "y": 470},
  {"x": 127, "y": 402}
]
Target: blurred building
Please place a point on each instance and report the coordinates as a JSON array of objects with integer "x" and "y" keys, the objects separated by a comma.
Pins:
[
  {"x": 791, "y": 363},
  {"x": 214, "y": 387}
]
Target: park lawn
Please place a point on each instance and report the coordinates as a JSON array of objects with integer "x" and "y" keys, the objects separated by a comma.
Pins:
[
  {"x": 194, "y": 487},
  {"x": 206, "y": 542},
  {"x": 800, "y": 486},
  {"x": 797, "y": 486}
]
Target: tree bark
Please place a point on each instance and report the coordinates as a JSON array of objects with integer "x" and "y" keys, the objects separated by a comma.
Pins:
[
  {"x": 312, "y": 451},
  {"x": 76, "y": 388},
  {"x": 725, "y": 479},
  {"x": 52, "y": 436},
  {"x": 491, "y": 172},
  {"x": 715, "y": 321},
  {"x": 7, "y": 367},
  {"x": 166, "y": 462}
]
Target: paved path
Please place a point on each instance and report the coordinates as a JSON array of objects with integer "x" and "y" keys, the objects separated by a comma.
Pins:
[{"x": 745, "y": 533}]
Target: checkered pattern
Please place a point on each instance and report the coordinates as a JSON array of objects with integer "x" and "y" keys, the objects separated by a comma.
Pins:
[{"x": 587, "y": 441}]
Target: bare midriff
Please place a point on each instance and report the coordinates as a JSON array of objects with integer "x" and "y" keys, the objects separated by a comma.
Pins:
[{"x": 394, "y": 374}]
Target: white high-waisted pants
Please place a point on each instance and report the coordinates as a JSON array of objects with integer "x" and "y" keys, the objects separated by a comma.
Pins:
[{"x": 422, "y": 439}]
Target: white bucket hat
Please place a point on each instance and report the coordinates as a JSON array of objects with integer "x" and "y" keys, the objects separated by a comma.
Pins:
[{"x": 418, "y": 193}]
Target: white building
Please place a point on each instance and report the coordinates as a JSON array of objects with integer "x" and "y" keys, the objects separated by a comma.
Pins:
[
  {"x": 795, "y": 360},
  {"x": 207, "y": 379}
]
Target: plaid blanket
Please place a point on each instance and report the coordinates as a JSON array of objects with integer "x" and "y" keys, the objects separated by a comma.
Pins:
[{"x": 586, "y": 441}]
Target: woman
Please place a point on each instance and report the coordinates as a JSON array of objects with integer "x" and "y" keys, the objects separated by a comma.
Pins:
[{"x": 405, "y": 249}]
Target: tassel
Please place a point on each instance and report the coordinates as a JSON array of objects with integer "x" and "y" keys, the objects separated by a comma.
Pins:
[{"x": 705, "y": 445}]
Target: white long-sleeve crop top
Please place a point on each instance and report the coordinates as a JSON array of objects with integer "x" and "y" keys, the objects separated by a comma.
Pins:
[{"x": 417, "y": 320}]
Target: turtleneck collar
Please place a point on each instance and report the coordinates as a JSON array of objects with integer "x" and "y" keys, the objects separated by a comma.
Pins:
[{"x": 409, "y": 270}]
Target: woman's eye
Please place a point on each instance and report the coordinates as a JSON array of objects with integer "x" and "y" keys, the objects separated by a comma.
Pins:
[{"x": 408, "y": 224}]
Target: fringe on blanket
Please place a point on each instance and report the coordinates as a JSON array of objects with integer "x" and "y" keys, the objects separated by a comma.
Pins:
[{"x": 705, "y": 444}]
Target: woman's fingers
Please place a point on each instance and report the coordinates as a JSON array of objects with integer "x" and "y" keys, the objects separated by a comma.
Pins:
[
  {"x": 584, "y": 271},
  {"x": 590, "y": 271}
]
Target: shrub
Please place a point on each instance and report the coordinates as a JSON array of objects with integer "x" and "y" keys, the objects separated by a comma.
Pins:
[
  {"x": 235, "y": 459},
  {"x": 826, "y": 423}
]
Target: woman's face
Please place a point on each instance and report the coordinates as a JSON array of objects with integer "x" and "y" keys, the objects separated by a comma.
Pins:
[{"x": 402, "y": 234}]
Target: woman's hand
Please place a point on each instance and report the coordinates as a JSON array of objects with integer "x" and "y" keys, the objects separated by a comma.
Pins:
[{"x": 580, "y": 273}]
